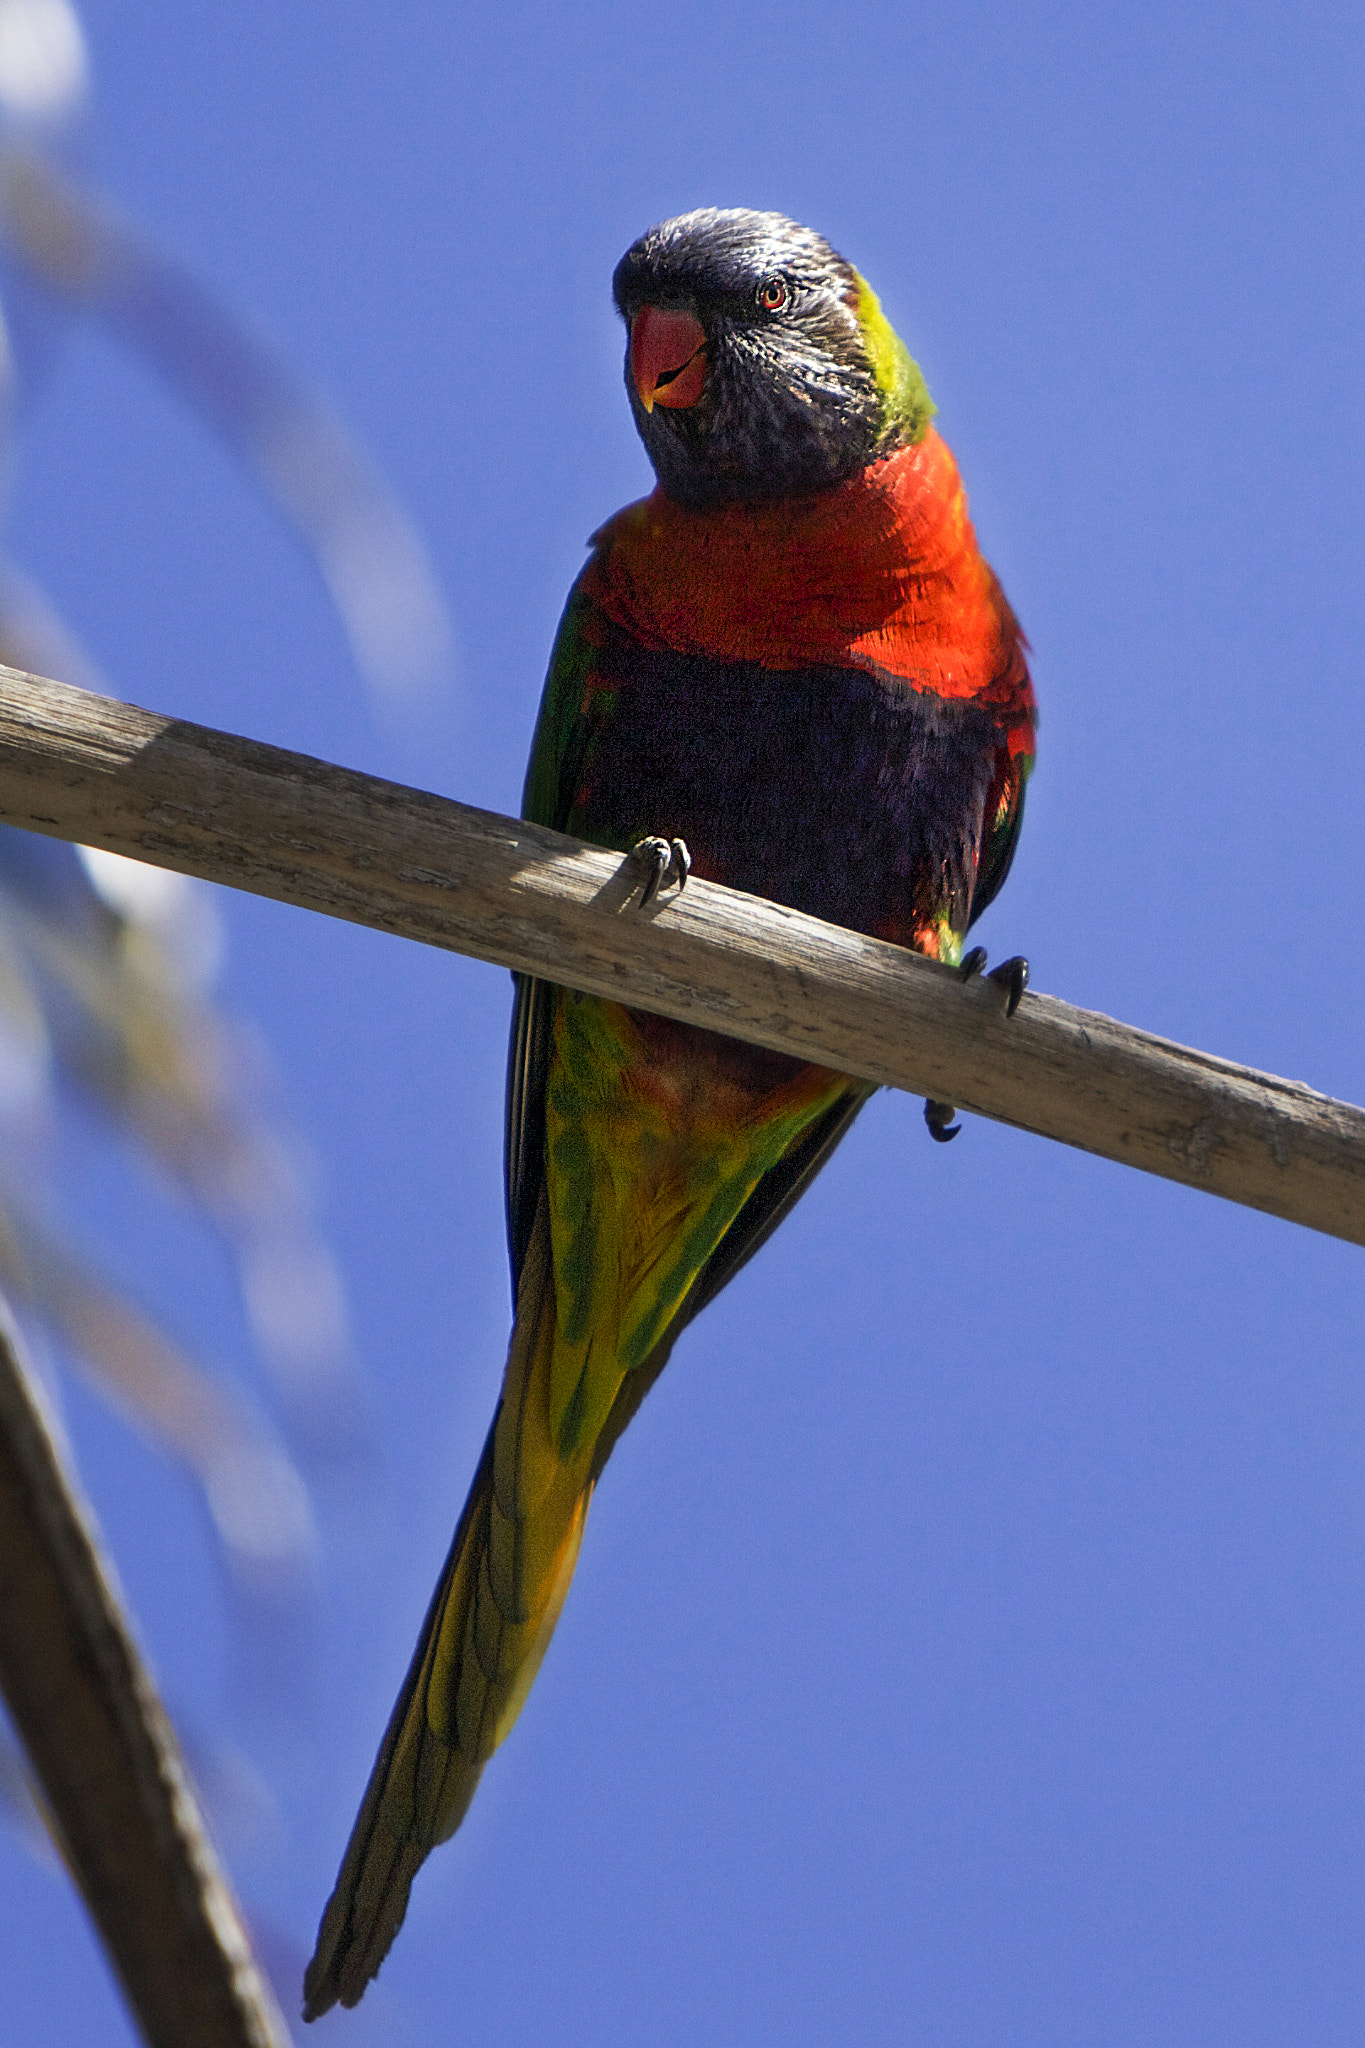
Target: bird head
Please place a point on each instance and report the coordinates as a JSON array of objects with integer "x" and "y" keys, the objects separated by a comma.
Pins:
[{"x": 759, "y": 363}]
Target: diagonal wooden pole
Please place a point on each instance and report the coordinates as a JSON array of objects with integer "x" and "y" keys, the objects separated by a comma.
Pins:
[
  {"x": 113, "y": 1779},
  {"x": 182, "y": 796}
]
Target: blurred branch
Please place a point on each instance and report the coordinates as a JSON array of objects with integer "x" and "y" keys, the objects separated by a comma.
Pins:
[
  {"x": 78, "y": 766},
  {"x": 104, "y": 1751}
]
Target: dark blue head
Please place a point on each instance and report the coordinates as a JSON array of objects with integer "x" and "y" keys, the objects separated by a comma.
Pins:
[{"x": 759, "y": 363}]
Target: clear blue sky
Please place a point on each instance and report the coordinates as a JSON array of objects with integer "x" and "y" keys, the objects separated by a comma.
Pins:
[{"x": 967, "y": 1649}]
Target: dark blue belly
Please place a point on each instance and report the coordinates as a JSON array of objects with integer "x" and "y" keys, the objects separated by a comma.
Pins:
[{"x": 838, "y": 791}]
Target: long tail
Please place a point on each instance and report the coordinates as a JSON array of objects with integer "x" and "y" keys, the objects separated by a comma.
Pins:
[{"x": 488, "y": 1626}]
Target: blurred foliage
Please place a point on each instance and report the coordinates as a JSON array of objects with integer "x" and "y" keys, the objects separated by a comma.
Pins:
[{"x": 107, "y": 968}]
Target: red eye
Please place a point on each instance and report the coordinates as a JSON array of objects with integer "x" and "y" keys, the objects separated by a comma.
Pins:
[{"x": 774, "y": 294}]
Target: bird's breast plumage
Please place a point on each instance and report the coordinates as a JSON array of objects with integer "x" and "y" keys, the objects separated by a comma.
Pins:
[
  {"x": 883, "y": 573},
  {"x": 827, "y": 698}
]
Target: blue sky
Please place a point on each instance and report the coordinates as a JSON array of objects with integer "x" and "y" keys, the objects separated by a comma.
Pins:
[{"x": 967, "y": 1646}]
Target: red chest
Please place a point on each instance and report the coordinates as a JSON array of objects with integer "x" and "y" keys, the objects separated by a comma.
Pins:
[{"x": 882, "y": 573}]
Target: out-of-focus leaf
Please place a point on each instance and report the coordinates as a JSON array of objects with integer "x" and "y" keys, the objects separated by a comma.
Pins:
[
  {"x": 105, "y": 970},
  {"x": 44, "y": 70},
  {"x": 258, "y": 1503},
  {"x": 107, "y": 994},
  {"x": 369, "y": 552}
]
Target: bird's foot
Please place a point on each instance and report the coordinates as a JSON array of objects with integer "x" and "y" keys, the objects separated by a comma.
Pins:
[
  {"x": 660, "y": 858},
  {"x": 1011, "y": 975},
  {"x": 939, "y": 1118}
]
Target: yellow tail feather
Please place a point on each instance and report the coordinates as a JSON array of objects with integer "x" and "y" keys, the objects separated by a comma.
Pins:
[{"x": 486, "y": 1631}]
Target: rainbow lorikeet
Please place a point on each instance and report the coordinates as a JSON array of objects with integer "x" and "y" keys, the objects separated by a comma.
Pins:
[{"x": 791, "y": 666}]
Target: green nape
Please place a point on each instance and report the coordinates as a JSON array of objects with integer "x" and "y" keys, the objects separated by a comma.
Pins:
[{"x": 905, "y": 395}]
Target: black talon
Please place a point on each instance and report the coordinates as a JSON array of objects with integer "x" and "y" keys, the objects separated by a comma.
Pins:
[
  {"x": 939, "y": 1118},
  {"x": 655, "y": 857},
  {"x": 682, "y": 861},
  {"x": 660, "y": 858},
  {"x": 1013, "y": 978},
  {"x": 973, "y": 963}
]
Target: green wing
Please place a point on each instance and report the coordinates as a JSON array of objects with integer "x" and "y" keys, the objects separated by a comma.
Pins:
[
  {"x": 561, "y": 737},
  {"x": 561, "y": 733},
  {"x": 551, "y": 778},
  {"x": 1004, "y": 817}
]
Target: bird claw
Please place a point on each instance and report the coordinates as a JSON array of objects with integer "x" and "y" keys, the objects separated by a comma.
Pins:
[
  {"x": 939, "y": 1118},
  {"x": 1013, "y": 978},
  {"x": 661, "y": 858},
  {"x": 1011, "y": 975}
]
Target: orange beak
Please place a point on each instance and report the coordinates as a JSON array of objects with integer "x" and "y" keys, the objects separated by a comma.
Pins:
[{"x": 667, "y": 357}]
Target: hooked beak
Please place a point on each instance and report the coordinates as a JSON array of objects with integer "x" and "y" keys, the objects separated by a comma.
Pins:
[{"x": 667, "y": 357}]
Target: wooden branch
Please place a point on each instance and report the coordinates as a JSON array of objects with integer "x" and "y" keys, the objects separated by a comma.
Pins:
[
  {"x": 181, "y": 796},
  {"x": 111, "y": 1771}
]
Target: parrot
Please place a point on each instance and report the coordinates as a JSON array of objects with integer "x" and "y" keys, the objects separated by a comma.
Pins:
[{"x": 790, "y": 670}]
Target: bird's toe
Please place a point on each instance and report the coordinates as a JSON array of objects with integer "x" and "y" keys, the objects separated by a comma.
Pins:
[
  {"x": 1012, "y": 976},
  {"x": 938, "y": 1116},
  {"x": 658, "y": 859}
]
